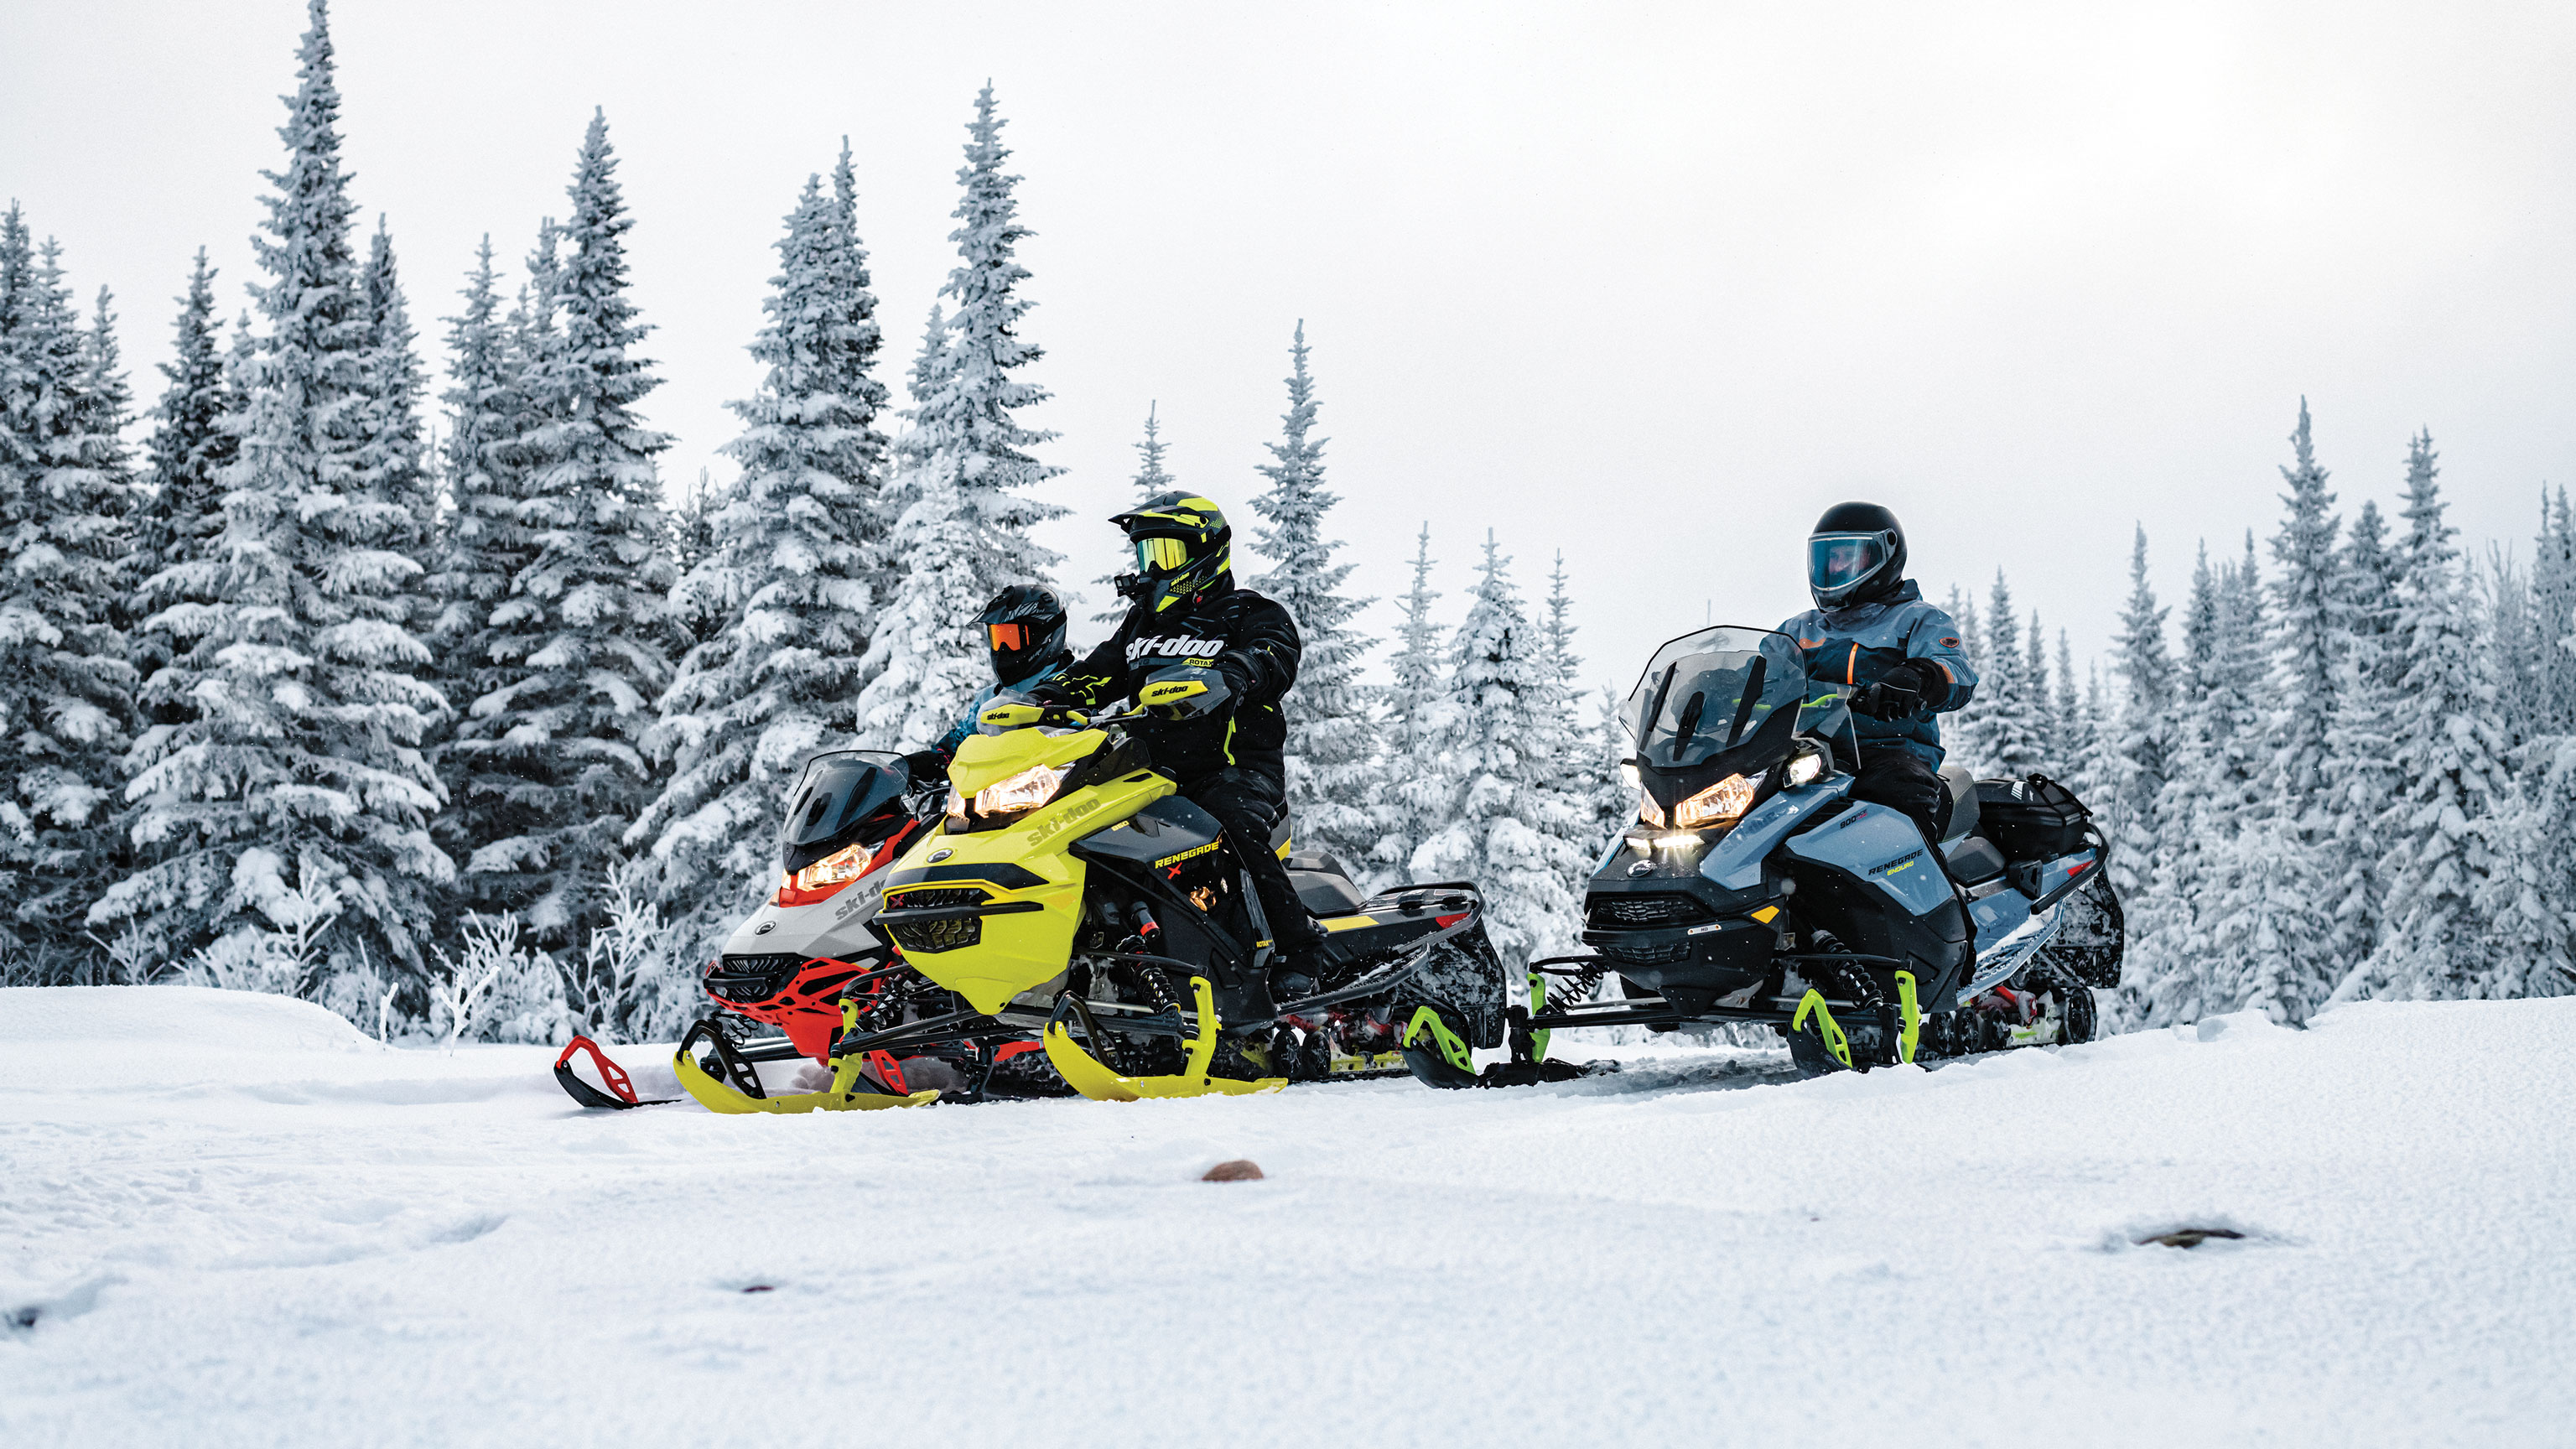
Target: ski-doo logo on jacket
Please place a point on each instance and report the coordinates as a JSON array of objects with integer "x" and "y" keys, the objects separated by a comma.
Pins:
[{"x": 1173, "y": 648}]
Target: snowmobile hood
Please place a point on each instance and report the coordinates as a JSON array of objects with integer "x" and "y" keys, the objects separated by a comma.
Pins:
[{"x": 990, "y": 759}]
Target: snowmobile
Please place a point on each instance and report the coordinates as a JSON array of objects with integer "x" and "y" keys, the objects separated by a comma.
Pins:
[
  {"x": 809, "y": 963},
  {"x": 1753, "y": 889},
  {"x": 1069, "y": 890}
]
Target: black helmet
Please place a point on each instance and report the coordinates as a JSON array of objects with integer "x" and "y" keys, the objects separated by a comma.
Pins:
[
  {"x": 1855, "y": 553},
  {"x": 1024, "y": 628},
  {"x": 1183, "y": 547}
]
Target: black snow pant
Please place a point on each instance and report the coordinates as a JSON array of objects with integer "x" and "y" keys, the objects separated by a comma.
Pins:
[
  {"x": 1249, "y": 804},
  {"x": 1905, "y": 782}
]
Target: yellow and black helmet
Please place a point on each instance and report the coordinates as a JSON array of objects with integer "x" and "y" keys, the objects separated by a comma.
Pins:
[{"x": 1183, "y": 547}]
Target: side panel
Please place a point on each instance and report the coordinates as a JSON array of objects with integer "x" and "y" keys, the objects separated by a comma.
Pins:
[
  {"x": 1159, "y": 835},
  {"x": 1867, "y": 877},
  {"x": 1882, "y": 847},
  {"x": 1030, "y": 861}
]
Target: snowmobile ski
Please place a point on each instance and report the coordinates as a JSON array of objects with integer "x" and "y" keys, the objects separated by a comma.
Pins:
[
  {"x": 851, "y": 1091},
  {"x": 1097, "y": 1081},
  {"x": 621, "y": 1092}
]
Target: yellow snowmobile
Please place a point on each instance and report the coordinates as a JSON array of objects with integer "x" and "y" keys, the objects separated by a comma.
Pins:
[{"x": 1070, "y": 889}]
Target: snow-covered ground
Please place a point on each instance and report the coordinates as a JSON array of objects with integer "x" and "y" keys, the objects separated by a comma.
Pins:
[{"x": 230, "y": 1219}]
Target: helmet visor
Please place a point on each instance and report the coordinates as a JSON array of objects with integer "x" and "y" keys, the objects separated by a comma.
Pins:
[
  {"x": 1839, "y": 560},
  {"x": 1161, "y": 555},
  {"x": 1006, "y": 638}
]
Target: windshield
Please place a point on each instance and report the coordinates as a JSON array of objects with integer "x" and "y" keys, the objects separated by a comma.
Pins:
[
  {"x": 844, "y": 798},
  {"x": 1709, "y": 691}
]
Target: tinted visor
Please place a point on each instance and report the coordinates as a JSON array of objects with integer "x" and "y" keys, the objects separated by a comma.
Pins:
[
  {"x": 1006, "y": 638},
  {"x": 1840, "y": 560},
  {"x": 1161, "y": 555}
]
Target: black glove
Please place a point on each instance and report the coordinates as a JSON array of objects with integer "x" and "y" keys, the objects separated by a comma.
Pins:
[
  {"x": 1902, "y": 693},
  {"x": 1049, "y": 693},
  {"x": 928, "y": 768}
]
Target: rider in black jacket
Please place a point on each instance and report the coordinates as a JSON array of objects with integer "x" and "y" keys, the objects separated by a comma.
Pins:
[{"x": 1223, "y": 746}]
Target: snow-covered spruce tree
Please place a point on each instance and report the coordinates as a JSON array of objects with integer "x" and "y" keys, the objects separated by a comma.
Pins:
[
  {"x": 2233, "y": 852},
  {"x": 2162, "y": 983},
  {"x": 2360, "y": 775},
  {"x": 1590, "y": 742},
  {"x": 2038, "y": 686},
  {"x": 1967, "y": 732},
  {"x": 298, "y": 775},
  {"x": 2530, "y": 932},
  {"x": 1151, "y": 478},
  {"x": 2139, "y": 748},
  {"x": 1412, "y": 787},
  {"x": 2077, "y": 719},
  {"x": 2137, "y": 761},
  {"x": 2014, "y": 741},
  {"x": 554, "y": 769},
  {"x": 481, "y": 542},
  {"x": 784, "y": 584},
  {"x": 2451, "y": 778},
  {"x": 2553, "y": 619},
  {"x": 2270, "y": 941},
  {"x": 393, "y": 456},
  {"x": 1505, "y": 823},
  {"x": 180, "y": 515},
  {"x": 961, "y": 531},
  {"x": 1330, "y": 729},
  {"x": 66, "y": 690}
]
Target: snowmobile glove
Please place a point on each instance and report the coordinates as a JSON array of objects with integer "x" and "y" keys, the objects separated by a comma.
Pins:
[
  {"x": 1903, "y": 692},
  {"x": 927, "y": 768}
]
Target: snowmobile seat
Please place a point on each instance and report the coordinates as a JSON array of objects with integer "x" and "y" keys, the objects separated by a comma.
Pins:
[
  {"x": 1972, "y": 858},
  {"x": 1962, "y": 789},
  {"x": 1322, "y": 884}
]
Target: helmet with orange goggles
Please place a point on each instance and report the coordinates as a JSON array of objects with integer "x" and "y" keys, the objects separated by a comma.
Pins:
[
  {"x": 1024, "y": 629},
  {"x": 1183, "y": 546}
]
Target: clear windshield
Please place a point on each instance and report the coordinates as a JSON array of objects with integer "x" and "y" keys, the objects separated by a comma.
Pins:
[{"x": 1708, "y": 691}]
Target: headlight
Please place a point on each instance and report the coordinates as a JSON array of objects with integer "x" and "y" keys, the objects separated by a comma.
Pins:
[
  {"x": 1024, "y": 791},
  {"x": 1649, "y": 811},
  {"x": 1717, "y": 804},
  {"x": 1804, "y": 767},
  {"x": 835, "y": 870}
]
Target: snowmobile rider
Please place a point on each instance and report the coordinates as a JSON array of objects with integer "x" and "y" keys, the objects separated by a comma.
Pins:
[
  {"x": 1871, "y": 628},
  {"x": 1225, "y": 747},
  {"x": 1024, "y": 630}
]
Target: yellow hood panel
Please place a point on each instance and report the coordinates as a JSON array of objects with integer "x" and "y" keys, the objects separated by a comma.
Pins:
[{"x": 990, "y": 759}]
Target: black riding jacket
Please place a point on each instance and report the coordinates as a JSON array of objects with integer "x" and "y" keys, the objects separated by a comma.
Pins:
[{"x": 1238, "y": 633}]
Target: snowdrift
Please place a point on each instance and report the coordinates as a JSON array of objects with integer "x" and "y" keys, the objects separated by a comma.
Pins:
[{"x": 233, "y": 1220}]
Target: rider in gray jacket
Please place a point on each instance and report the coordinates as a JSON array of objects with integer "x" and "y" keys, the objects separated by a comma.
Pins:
[{"x": 1872, "y": 629}]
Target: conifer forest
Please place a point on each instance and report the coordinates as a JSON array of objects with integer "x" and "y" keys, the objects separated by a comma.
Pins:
[{"x": 426, "y": 697}]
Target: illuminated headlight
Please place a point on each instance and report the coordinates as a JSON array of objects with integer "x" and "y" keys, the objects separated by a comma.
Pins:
[
  {"x": 837, "y": 869},
  {"x": 1649, "y": 811},
  {"x": 956, "y": 811},
  {"x": 1804, "y": 767},
  {"x": 1024, "y": 791},
  {"x": 1628, "y": 772},
  {"x": 1716, "y": 805}
]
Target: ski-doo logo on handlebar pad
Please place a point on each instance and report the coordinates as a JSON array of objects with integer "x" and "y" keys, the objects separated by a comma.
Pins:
[{"x": 1168, "y": 648}]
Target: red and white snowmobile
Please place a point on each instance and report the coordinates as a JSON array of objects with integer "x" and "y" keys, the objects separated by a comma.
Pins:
[{"x": 810, "y": 964}]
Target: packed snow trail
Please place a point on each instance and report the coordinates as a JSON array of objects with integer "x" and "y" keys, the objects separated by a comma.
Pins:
[{"x": 231, "y": 1219}]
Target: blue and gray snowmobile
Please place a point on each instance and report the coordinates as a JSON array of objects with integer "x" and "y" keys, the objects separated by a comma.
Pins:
[{"x": 1752, "y": 888}]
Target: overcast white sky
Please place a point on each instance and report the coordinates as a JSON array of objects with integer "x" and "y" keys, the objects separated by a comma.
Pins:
[{"x": 1649, "y": 284}]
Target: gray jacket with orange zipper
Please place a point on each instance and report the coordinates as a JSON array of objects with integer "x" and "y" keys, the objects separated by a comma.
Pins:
[{"x": 1858, "y": 644}]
